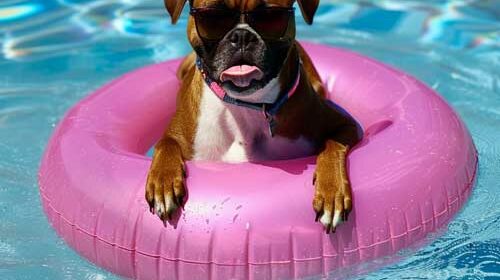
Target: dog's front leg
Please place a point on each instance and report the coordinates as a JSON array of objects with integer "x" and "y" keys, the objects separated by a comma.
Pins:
[
  {"x": 332, "y": 198},
  {"x": 165, "y": 190}
]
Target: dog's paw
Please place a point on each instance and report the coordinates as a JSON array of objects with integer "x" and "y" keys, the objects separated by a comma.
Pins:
[
  {"x": 165, "y": 191},
  {"x": 332, "y": 201}
]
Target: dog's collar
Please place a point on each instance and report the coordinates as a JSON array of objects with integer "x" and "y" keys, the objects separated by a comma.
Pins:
[{"x": 269, "y": 110}]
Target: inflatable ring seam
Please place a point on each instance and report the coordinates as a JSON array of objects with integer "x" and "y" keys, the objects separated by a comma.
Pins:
[{"x": 393, "y": 237}]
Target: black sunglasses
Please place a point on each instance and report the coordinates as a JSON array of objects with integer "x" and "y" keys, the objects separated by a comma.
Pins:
[{"x": 270, "y": 23}]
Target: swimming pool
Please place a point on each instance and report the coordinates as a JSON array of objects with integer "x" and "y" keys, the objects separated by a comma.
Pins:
[{"x": 55, "y": 52}]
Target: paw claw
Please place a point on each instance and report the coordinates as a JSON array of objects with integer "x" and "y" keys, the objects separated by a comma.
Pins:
[
  {"x": 328, "y": 203},
  {"x": 318, "y": 215},
  {"x": 165, "y": 192},
  {"x": 171, "y": 205},
  {"x": 336, "y": 218},
  {"x": 160, "y": 210},
  {"x": 326, "y": 219},
  {"x": 345, "y": 216}
]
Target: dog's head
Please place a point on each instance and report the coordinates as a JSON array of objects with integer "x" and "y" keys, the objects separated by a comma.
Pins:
[{"x": 245, "y": 45}]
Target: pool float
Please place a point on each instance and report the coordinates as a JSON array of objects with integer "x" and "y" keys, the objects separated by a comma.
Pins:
[{"x": 411, "y": 173}]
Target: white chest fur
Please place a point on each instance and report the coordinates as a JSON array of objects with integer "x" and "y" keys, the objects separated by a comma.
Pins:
[{"x": 232, "y": 133}]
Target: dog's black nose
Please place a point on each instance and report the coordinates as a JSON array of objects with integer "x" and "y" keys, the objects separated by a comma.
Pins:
[{"x": 241, "y": 38}]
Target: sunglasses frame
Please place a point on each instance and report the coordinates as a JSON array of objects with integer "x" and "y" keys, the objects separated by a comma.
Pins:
[{"x": 195, "y": 12}]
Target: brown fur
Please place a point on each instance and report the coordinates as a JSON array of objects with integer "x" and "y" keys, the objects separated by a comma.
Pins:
[{"x": 305, "y": 114}]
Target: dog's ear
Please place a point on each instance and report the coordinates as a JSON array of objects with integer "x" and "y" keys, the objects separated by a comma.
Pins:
[
  {"x": 308, "y": 8},
  {"x": 174, "y": 8}
]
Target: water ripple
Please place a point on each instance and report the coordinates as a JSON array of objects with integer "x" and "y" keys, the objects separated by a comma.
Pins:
[{"x": 53, "y": 52}]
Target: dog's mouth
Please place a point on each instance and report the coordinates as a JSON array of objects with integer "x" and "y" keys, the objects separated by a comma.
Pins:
[{"x": 242, "y": 75}]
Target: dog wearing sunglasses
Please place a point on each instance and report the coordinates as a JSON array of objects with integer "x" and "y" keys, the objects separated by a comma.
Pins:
[{"x": 249, "y": 92}]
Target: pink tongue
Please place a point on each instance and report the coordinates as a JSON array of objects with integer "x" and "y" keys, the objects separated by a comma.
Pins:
[{"x": 241, "y": 75}]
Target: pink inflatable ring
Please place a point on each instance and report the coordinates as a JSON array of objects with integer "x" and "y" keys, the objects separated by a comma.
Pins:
[{"x": 411, "y": 173}]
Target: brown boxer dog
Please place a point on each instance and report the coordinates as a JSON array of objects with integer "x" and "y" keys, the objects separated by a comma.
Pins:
[{"x": 249, "y": 92}]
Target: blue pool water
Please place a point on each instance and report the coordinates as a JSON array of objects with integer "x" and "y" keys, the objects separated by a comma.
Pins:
[{"x": 54, "y": 52}]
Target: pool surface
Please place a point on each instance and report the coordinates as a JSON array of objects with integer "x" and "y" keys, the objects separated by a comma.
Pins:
[{"x": 54, "y": 52}]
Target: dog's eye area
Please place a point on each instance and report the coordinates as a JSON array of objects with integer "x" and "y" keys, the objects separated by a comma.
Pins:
[
  {"x": 216, "y": 14},
  {"x": 214, "y": 23},
  {"x": 270, "y": 22}
]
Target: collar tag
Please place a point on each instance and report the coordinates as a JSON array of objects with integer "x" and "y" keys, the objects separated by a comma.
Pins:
[{"x": 271, "y": 121}]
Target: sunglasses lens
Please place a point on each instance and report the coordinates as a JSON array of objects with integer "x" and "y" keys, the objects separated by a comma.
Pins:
[
  {"x": 213, "y": 24},
  {"x": 270, "y": 23}
]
